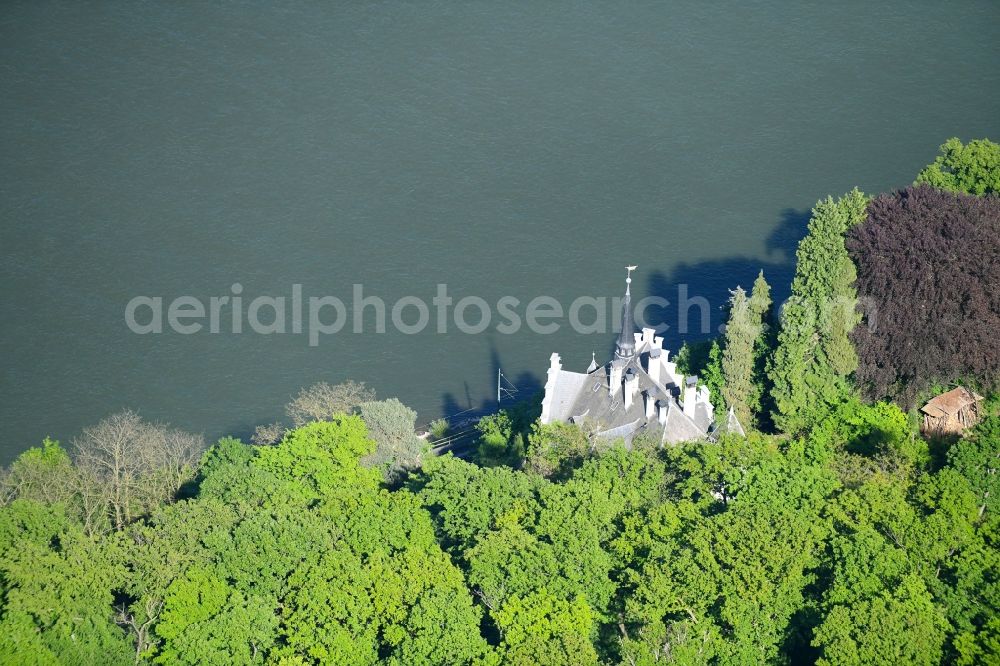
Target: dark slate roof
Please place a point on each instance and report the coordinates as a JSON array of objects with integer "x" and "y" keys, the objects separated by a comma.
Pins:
[
  {"x": 625, "y": 431},
  {"x": 594, "y": 401},
  {"x": 583, "y": 398},
  {"x": 567, "y": 388},
  {"x": 679, "y": 428},
  {"x": 702, "y": 419}
]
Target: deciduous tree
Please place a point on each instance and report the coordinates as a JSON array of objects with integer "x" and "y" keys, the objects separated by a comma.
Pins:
[
  {"x": 973, "y": 168},
  {"x": 321, "y": 401},
  {"x": 928, "y": 276},
  {"x": 134, "y": 465},
  {"x": 397, "y": 448}
]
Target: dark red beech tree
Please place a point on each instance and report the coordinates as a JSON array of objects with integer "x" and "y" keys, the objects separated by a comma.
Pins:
[{"x": 928, "y": 265}]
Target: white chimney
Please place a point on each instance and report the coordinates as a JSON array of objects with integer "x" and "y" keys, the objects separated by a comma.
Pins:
[
  {"x": 647, "y": 335},
  {"x": 615, "y": 380},
  {"x": 653, "y": 365},
  {"x": 662, "y": 406},
  {"x": 631, "y": 387},
  {"x": 690, "y": 395},
  {"x": 705, "y": 398},
  {"x": 657, "y": 342},
  {"x": 650, "y": 403},
  {"x": 554, "y": 363}
]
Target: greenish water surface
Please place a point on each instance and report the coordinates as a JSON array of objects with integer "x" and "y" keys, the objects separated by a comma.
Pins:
[{"x": 501, "y": 148}]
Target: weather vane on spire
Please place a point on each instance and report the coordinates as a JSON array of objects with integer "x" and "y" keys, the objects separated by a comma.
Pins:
[{"x": 628, "y": 279}]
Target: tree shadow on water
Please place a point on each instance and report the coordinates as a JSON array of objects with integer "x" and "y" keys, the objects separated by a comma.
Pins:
[
  {"x": 697, "y": 293},
  {"x": 785, "y": 237}
]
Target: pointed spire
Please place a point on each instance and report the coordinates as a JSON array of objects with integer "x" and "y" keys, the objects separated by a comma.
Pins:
[
  {"x": 625, "y": 348},
  {"x": 593, "y": 362},
  {"x": 732, "y": 424}
]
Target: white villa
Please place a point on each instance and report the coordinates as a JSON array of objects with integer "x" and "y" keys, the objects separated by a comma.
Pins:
[{"x": 638, "y": 390}]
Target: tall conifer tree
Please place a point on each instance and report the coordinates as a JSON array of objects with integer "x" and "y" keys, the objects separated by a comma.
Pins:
[
  {"x": 760, "y": 311},
  {"x": 745, "y": 346},
  {"x": 737, "y": 357},
  {"x": 814, "y": 356}
]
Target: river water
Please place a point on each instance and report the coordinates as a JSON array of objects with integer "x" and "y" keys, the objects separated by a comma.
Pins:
[{"x": 515, "y": 149}]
